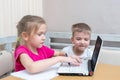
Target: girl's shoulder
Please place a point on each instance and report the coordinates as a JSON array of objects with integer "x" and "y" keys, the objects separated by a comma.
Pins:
[{"x": 21, "y": 47}]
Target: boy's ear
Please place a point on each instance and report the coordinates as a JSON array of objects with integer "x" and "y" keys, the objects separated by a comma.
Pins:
[
  {"x": 25, "y": 36},
  {"x": 72, "y": 40}
]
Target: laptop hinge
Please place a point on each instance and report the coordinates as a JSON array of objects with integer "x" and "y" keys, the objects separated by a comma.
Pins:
[{"x": 90, "y": 68}]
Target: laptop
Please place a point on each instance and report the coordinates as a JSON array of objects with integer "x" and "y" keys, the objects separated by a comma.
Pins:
[{"x": 86, "y": 68}]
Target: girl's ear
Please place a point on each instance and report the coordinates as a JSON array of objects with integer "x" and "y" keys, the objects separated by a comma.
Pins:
[{"x": 25, "y": 36}]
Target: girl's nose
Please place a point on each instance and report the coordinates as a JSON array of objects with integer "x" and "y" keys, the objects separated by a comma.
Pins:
[{"x": 43, "y": 37}]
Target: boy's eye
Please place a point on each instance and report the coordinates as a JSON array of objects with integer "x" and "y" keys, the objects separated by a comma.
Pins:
[
  {"x": 78, "y": 38},
  {"x": 86, "y": 39}
]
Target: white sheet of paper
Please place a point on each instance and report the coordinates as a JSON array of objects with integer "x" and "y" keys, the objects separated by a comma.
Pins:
[{"x": 45, "y": 75}]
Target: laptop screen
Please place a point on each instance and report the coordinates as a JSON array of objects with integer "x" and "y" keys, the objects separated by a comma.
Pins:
[{"x": 96, "y": 52}]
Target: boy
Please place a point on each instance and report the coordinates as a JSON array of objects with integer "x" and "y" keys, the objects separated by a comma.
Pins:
[{"x": 81, "y": 34}]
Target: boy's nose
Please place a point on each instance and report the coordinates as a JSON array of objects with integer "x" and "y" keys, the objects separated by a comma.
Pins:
[{"x": 82, "y": 41}]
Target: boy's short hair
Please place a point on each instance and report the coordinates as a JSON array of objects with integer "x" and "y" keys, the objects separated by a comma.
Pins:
[{"x": 81, "y": 27}]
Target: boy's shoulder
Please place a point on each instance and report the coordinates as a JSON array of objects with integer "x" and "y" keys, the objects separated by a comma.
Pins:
[
  {"x": 67, "y": 47},
  {"x": 88, "y": 50}
]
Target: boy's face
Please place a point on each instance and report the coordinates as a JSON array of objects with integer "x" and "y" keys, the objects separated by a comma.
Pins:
[{"x": 81, "y": 41}]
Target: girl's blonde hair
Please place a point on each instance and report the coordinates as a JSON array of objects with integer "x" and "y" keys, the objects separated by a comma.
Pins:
[
  {"x": 28, "y": 24},
  {"x": 81, "y": 27}
]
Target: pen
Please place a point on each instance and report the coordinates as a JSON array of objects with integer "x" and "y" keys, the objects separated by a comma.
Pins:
[{"x": 67, "y": 56}]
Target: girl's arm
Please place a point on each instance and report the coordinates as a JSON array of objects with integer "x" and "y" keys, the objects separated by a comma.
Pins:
[
  {"x": 59, "y": 53},
  {"x": 41, "y": 65}
]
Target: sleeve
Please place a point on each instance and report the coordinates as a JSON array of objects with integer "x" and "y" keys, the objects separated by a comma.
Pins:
[
  {"x": 18, "y": 52},
  {"x": 66, "y": 50}
]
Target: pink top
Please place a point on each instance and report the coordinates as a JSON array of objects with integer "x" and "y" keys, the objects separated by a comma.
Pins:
[{"x": 43, "y": 53}]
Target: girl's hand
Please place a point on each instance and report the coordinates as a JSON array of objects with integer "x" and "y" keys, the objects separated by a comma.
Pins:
[
  {"x": 74, "y": 60},
  {"x": 77, "y": 60}
]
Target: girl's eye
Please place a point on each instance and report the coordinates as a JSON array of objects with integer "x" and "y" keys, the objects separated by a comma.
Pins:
[{"x": 39, "y": 34}]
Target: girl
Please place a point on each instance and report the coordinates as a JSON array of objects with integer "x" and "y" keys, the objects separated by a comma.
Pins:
[{"x": 30, "y": 53}]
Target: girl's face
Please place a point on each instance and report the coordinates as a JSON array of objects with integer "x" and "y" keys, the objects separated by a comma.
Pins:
[
  {"x": 80, "y": 41},
  {"x": 37, "y": 40}
]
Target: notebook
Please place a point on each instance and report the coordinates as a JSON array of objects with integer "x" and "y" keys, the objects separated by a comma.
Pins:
[{"x": 86, "y": 68}]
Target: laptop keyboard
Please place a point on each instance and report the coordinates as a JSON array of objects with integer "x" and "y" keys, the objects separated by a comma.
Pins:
[{"x": 83, "y": 68}]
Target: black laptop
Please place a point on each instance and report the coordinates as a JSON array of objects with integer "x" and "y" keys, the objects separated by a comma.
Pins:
[{"x": 86, "y": 68}]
